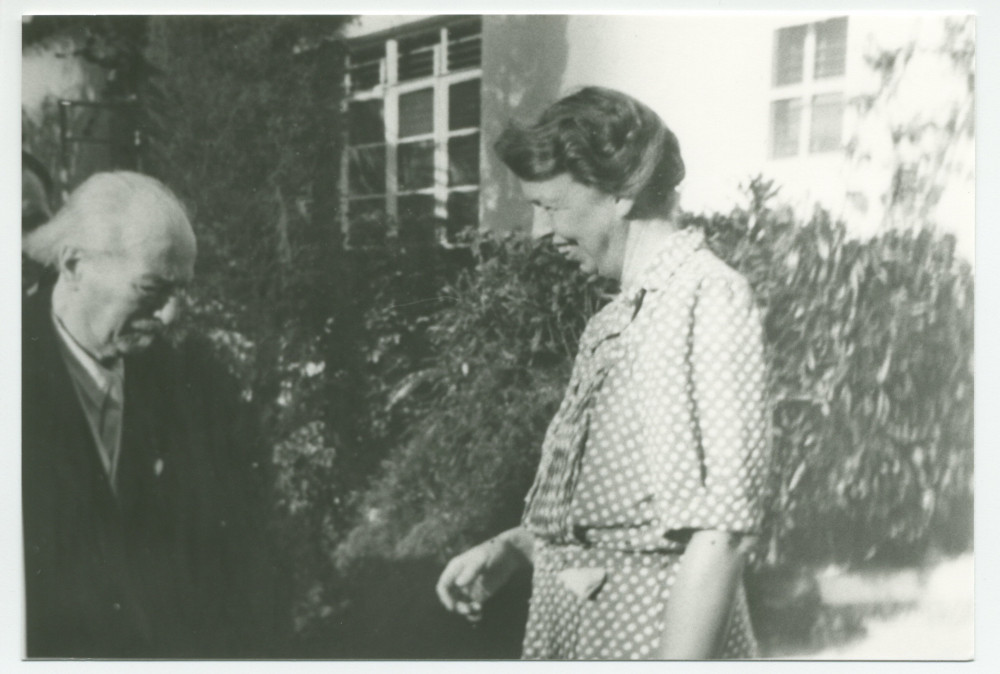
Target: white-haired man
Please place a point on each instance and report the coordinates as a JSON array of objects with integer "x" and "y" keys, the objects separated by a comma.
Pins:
[{"x": 138, "y": 500}]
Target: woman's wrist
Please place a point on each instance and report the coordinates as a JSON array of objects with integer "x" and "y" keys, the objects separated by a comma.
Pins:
[{"x": 517, "y": 541}]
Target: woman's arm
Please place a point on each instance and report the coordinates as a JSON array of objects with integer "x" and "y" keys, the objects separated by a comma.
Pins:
[
  {"x": 701, "y": 597},
  {"x": 520, "y": 539},
  {"x": 473, "y": 576},
  {"x": 727, "y": 385}
]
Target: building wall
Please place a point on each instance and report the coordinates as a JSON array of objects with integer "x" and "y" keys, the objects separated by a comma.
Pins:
[{"x": 709, "y": 77}]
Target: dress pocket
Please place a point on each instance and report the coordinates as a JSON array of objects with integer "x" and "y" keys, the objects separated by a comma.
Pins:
[{"x": 585, "y": 583}]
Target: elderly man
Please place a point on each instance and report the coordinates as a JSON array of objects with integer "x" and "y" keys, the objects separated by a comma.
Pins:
[{"x": 139, "y": 508}]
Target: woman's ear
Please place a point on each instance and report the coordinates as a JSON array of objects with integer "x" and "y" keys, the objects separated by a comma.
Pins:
[{"x": 623, "y": 206}]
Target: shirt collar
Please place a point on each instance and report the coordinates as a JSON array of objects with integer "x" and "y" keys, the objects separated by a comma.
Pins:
[
  {"x": 670, "y": 252},
  {"x": 100, "y": 376}
]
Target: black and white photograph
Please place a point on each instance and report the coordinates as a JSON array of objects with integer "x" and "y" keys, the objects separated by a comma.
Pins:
[{"x": 579, "y": 336}]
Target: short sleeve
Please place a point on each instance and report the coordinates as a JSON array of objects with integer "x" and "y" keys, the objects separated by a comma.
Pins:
[{"x": 708, "y": 455}]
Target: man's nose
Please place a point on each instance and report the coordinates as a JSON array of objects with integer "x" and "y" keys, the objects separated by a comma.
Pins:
[
  {"x": 541, "y": 224},
  {"x": 168, "y": 313}
]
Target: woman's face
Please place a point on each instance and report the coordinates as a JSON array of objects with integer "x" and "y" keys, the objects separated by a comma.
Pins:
[{"x": 587, "y": 226}]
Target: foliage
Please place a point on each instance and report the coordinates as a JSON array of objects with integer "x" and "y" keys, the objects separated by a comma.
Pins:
[
  {"x": 870, "y": 346},
  {"x": 501, "y": 352},
  {"x": 247, "y": 137},
  {"x": 401, "y": 302},
  {"x": 244, "y": 151},
  {"x": 912, "y": 149}
]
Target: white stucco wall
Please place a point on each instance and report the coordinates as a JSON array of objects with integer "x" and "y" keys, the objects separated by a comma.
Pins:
[{"x": 705, "y": 75}]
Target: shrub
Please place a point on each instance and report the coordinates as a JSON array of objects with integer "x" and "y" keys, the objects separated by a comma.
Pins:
[
  {"x": 870, "y": 349},
  {"x": 501, "y": 351}
]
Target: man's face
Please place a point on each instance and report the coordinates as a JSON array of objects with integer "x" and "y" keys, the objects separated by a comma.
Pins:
[
  {"x": 585, "y": 224},
  {"x": 127, "y": 298}
]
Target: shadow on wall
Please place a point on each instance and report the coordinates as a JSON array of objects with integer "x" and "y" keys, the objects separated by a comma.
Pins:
[{"x": 524, "y": 65}]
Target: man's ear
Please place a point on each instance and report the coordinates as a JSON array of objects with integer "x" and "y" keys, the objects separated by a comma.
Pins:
[
  {"x": 623, "y": 206},
  {"x": 69, "y": 264}
]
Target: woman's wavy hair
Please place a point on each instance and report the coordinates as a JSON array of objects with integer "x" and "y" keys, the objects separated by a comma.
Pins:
[{"x": 603, "y": 139}]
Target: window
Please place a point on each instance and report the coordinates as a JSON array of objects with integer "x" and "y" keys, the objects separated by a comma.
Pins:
[
  {"x": 412, "y": 158},
  {"x": 791, "y": 48},
  {"x": 807, "y": 106},
  {"x": 786, "y": 116}
]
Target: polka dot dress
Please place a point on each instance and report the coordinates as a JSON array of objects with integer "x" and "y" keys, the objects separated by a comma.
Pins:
[
  {"x": 663, "y": 430},
  {"x": 623, "y": 618}
]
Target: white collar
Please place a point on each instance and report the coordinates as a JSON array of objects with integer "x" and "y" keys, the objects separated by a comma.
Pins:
[{"x": 648, "y": 242}]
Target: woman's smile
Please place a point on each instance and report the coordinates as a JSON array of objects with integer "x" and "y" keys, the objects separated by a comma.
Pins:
[{"x": 586, "y": 224}]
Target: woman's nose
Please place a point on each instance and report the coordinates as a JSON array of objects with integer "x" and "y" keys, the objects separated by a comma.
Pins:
[{"x": 541, "y": 224}]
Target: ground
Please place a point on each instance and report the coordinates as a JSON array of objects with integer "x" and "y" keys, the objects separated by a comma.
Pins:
[{"x": 940, "y": 626}]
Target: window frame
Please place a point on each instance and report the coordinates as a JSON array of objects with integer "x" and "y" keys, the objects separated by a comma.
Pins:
[
  {"x": 389, "y": 89},
  {"x": 806, "y": 91}
]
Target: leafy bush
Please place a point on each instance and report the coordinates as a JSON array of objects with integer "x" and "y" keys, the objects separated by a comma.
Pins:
[
  {"x": 401, "y": 299},
  {"x": 870, "y": 348},
  {"x": 501, "y": 350}
]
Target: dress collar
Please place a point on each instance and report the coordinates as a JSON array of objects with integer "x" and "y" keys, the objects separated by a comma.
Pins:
[{"x": 653, "y": 259}]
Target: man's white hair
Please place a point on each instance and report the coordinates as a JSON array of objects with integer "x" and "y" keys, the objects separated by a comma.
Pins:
[{"x": 99, "y": 216}]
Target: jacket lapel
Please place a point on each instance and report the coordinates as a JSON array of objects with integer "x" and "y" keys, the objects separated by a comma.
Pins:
[{"x": 72, "y": 452}]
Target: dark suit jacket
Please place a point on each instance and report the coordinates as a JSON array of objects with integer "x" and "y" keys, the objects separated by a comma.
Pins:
[{"x": 174, "y": 564}]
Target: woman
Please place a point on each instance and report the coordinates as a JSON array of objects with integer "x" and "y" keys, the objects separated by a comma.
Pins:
[{"x": 650, "y": 482}]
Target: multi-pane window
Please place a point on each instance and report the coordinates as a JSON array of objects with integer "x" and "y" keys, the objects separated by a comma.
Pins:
[
  {"x": 807, "y": 106},
  {"x": 412, "y": 159}
]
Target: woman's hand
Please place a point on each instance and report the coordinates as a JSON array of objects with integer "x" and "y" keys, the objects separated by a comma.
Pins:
[{"x": 473, "y": 576}]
